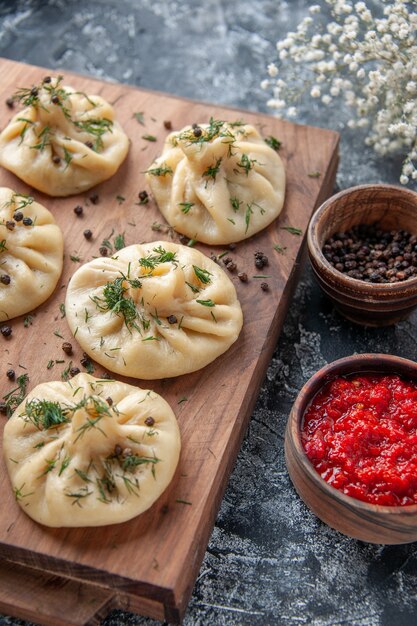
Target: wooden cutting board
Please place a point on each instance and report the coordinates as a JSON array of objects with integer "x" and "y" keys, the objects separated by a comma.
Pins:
[{"x": 149, "y": 565}]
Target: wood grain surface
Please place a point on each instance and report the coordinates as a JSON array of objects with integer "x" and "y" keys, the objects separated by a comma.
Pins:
[{"x": 150, "y": 563}]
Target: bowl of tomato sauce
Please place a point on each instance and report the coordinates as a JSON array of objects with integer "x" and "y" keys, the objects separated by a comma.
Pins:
[{"x": 351, "y": 447}]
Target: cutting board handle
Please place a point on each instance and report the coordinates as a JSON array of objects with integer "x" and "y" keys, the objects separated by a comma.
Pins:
[{"x": 51, "y": 600}]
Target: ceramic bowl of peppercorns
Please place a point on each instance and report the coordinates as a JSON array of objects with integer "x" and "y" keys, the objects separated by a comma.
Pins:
[
  {"x": 350, "y": 447},
  {"x": 362, "y": 245}
]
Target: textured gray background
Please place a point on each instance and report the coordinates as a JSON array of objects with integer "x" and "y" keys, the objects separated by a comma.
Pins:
[{"x": 269, "y": 561}]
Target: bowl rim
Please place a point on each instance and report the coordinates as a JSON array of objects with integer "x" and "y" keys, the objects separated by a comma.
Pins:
[
  {"x": 304, "y": 398},
  {"x": 347, "y": 282}
]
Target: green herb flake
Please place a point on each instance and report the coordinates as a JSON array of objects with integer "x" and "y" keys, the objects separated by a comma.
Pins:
[
  {"x": 149, "y": 138},
  {"x": 163, "y": 170},
  {"x": 62, "y": 310},
  {"x": 183, "y": 399},
  {"x": 185, "y": 206},
  {"x": 315, "y": 174},
  {"x": 139, "y": 117},
  {"x": 120, "y": 199},
  {"x": 273, "y": 143},
  {"x": 180, "y": 501},
  {"x": 28, "y": 321},
  {"x": 58, "y": 334},
  {"x": 280, "y": 249},
  {"x": 292, "y": 230},
  {"x": 16, "y": 395},
  {"x": 208, "y": 302},
  {"x": 202, "y": 275},
  {"x": 75, "y": 258}
]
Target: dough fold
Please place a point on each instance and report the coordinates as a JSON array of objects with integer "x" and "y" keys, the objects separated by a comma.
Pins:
[
  {"x": 218, "y": 183},
  {"x": 90, "y": 452},
  {"x": 154, "y": 310},
  {"x": 63, "y": 142}
]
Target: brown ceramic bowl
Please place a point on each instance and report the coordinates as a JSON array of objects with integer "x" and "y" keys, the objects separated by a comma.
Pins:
[
  {"x": 392, "y": 208},
  {"x": 368, "y": 522}
]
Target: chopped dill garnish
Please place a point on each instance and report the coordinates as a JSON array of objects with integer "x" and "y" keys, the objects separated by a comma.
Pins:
[
  {"x": 193, "y": 288},
  {"x": 149, "y": 137},
  {"x": 62, "y": 309},
  {"x": 163, "y": 170},
  {"x": 45, "y": 414},
  {"x": 292, "y": 230},
  {"x": 235, "y": 204},
  {"x": 279, "y": 248},
  {"x": 28, "y": 321},
  {"x": 186, "y": 206},
  {"x": 248, "y": 214},
  {"x": 245, "y": 164},
  {"x": 202, "y": 275},
  {"x": 208, "y": 302},
  {"x": 97, "y": 128},
  {"x": 161, "y": 256},
  {"x": 213, "y": 170},
  {"x": 3, "y": 246},
  {"x": 119, "y": 242},
  {"x": 16, "y": 395},
  {"x": 139, "y": 117},
  {"x": 115, "y": 301},
  {"x": 273, "y": 143}
]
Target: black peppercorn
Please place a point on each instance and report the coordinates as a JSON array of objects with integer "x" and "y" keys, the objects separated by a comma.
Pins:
[
  {"x": 5, "y": 279},
  {"x": 10, "y": 225},
  {"x": 11, "y": 375},
  {"x": 243, "y": 277},
  {"x": 366, "y": 252},
  {"x": 55, "y": 100},
  {"x": 168, "y": 124},
  {"x": 78, "y": 210},
  {"x": 34, "y": 92},
  {"x": 88, "y": 233},
  {"x": 89, "y": 144},
  {"x": 18, "y": 216},
  {"x": 47, "y": 79},
  {"x": 143, "y": 196},
  {"x": 264, "y": 286},
  {"x": 172, "y": 319},
  {"x": 197, "y": 131},
  {"x": 103, "y": 250},
  {"x": 118, "y": 449},
  {"x": 109, "y": 401},
  {"x": 85, "y": 361},
  {"x": 94, "y": 198},
  {"x": 10, "y": 103},
  {"x": 56, "y": 159},
  {"x": 74, "y": 371},
  {"x": 27, "y": 221},
  {"x": 67, "y": 347},
  {"x": 149, "y": 421},
  {"x": 3, "y": 408},
  {"x": 6, "y": 331}
]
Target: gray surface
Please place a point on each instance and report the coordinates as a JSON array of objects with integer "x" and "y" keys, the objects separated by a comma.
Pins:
[{"x": 269, "y": 561}]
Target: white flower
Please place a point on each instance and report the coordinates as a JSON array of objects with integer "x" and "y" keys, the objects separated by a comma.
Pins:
[
  {"x": 272, "y": 70},
  {"x": 381, "y": 55}
]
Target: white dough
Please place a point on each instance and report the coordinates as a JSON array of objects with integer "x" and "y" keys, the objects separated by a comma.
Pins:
[
  {"x": 219, "y": 187},
  {"x": 132, "y": 334},
  {"x": 111, "y": 455},
  {"x": 31, "y": 255},
  {"x": 80, "y": 132}
]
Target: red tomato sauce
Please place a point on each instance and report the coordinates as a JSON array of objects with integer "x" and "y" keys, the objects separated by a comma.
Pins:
[{"x": 360, "y": 434}]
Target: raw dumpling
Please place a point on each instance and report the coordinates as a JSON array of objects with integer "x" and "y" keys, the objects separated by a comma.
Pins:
[
  {"x": 90, "y": 452},
  {"x": 31, "y": 254},
  {"x": 218, "y": 182},
  {"x": 153, "y": 311},
  {"x": 64, "y": 141}
]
